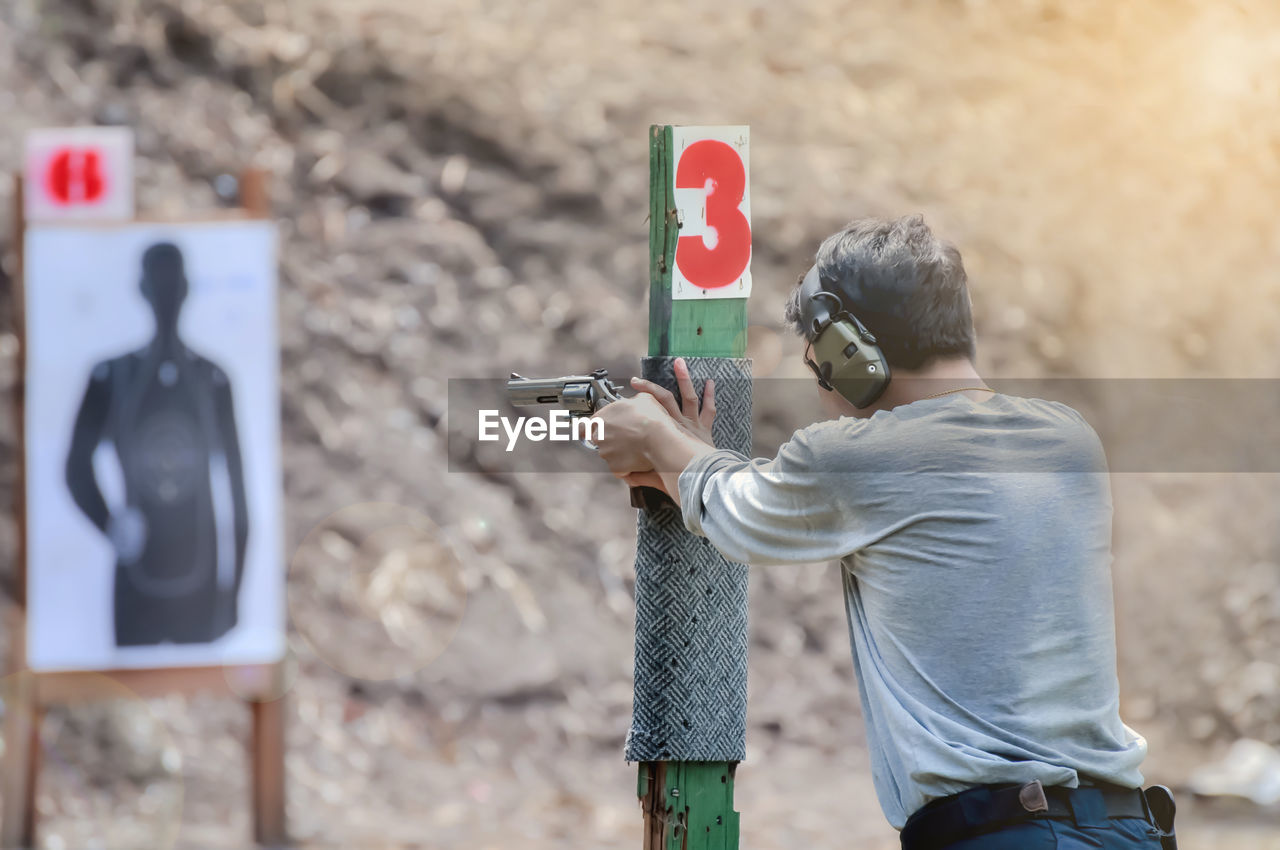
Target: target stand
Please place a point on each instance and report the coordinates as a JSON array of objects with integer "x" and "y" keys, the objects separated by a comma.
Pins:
[{"x": 28, "y": 694}]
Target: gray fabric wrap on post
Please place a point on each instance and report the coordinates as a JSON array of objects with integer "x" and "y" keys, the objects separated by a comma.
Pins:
[{"x": 691, "y": 606}]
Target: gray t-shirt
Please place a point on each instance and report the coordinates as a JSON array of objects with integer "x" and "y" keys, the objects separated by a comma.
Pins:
[{"x": 975, "y": 544}]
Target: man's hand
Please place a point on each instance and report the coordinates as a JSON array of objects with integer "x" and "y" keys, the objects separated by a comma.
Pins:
[
  {"x": 687, "y": 415},
  {"x": 629, "y": 425},
  {"x": 649, "y": 440}
]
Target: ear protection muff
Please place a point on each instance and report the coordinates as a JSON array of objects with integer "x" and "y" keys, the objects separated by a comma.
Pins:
[{"x": 846, "y": 358}]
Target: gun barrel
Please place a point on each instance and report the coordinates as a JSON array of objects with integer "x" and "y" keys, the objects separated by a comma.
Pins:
[
  {"x": 527, "y": 393},
  {"x": 574, "y": 393},
  {"x": 579, "y": 394}
]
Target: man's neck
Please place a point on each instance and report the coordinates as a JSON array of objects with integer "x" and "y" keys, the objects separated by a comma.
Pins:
[{"x": 939, "y": 377}]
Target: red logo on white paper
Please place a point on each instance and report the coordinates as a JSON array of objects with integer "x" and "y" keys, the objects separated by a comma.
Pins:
[
  {"x": 79, "y": 174},
  {"x": 74, "y": 176}
]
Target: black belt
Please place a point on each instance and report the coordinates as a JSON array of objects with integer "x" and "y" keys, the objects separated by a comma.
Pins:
[{"x": 991, "y": 807}]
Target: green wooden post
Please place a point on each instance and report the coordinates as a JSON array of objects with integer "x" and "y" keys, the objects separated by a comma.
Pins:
[{"x": 687, "y": 805}]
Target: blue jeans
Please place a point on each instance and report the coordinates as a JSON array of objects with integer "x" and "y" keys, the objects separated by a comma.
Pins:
[{"x": 1117, "y": 834}]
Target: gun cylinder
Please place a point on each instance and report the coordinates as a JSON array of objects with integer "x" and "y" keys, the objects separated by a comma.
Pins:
[
  {"x": 578, "y": 398},
  {"x": 579, "y": 394},
  {"x": 573, "y": 394}
]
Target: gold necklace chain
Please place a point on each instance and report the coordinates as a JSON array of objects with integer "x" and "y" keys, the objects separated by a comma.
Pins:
[{"x": 962, "y": 390}]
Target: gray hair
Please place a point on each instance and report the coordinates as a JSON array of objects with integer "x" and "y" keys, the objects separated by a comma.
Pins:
[{"x": 906, "y": 285}]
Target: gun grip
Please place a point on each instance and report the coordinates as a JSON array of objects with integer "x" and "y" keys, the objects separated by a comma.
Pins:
[{"x": 650, "y": 499}]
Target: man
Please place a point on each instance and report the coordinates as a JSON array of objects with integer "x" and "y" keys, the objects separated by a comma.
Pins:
[
  {"x": 973, "y": 530},
  {"x": 181, "y": 530}
]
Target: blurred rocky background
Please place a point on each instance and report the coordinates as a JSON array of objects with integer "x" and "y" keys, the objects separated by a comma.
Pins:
[{"x": 462, "y": 188}]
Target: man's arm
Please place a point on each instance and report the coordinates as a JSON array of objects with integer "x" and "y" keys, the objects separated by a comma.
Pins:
[
  {"x": 671, "y": 449},
  {"x": 792, "y": 509},
  {"x": 788, "y": 510}
]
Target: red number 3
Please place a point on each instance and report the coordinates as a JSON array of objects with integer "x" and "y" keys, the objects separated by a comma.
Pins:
[{"x": 719, "y": 258}]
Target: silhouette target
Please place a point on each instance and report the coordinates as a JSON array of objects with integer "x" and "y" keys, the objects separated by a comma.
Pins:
[{"x": 166, "y": 415}]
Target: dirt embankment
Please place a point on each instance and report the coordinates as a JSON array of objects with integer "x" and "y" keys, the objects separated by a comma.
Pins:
[{"x": 463, "y": 192}]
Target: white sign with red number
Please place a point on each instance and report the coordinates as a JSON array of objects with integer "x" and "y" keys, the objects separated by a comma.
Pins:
[
  {"x": 79, "y": 174},
  {"x": 713, "y": 204}
]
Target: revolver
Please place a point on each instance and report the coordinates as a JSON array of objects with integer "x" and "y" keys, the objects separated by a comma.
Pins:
[{"x": 581, "y": 395}]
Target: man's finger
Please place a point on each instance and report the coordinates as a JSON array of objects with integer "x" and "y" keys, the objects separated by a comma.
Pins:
[
  {"x": 622, "y": 465},
  {"x": 662, "y": 394},
  {"x": 708, "y": 415},
  {"x": 689, "y": 399},
  {"x": 645, "y": 479}
]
